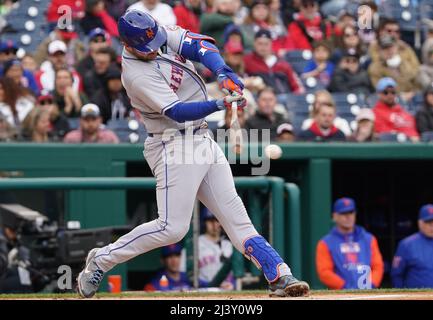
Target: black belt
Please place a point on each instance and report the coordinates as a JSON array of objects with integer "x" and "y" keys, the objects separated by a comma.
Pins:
[{"x": 182, "y": 131}]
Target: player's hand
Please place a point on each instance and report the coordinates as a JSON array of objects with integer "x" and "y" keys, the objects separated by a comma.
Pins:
[
  {"x": 226, "y": 102},
  {"x": 229, "y": 81}
]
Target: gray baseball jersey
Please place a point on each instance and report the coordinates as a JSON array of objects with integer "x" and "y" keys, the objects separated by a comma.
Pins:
[{"x": 155, "y": 86}]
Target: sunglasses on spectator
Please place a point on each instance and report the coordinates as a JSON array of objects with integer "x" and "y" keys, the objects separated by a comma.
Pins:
[
  {"x": 387, "y": 92},
  {"x": 46, "y": 102},
  {"x": 9, "y": 51},
  {"x": 98, "y": 40}
]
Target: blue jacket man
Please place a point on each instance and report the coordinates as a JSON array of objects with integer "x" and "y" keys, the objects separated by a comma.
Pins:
[
  {"x": 348, "y": 257},
  {"x": 412, "y": 266}
]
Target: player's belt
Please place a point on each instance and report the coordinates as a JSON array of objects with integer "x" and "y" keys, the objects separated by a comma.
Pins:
[{"x": 201, "y": 129}]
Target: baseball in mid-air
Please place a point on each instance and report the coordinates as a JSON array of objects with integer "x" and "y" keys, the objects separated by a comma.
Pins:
[{"x": 273, "y": 151}]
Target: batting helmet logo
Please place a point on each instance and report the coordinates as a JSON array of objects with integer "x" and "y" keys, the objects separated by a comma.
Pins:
[
  {"x": 140, "y": 31},
  {"x": 149, "y": 33}
]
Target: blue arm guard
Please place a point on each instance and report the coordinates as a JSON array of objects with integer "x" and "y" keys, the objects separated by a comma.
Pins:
[
  {"x": 199, "y": 48},
  {"x": 189, "y": 111}
]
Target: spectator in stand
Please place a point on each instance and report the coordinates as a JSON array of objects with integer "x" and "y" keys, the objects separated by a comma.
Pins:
[
  {"x": 98, "y": 39},
  {"x": 56, "y": 61},
  {"x": 36, "y": 126},
  {"x": 75, "y": 49},
  {"x": 15, "y": 101},
  {"x": 349, "y": 77},
  {"x": 112, "y": 99},
  {"x": 161, "y": 12},
  {"x": 90, "y": 130},
  {"x": 94, "y": 79},
  {"x": 364, "y": 131},
  {"x": 29, "y": 64},
  {"x": 428, "y": 42},
  {"x": 220, "y": 133},
  {"x": 393, "y": 65},
  {"x": 77, "y": 8},
  {"x": 97, "y": 17},
  {"x": 8, "y": 132},
  {"x": 266, "y": 117},
  {"x": 214, "y": 23},
  {"x": 424, "y": 116},
  {"x": 323, "y": 97},
  {"x": 390, "y": 27},
  {"x": 68, "y": 99},
  {"x": 170, "y": 278},
  {"x": 214, "y": 254},
  {"x": 285, "y": 133},
  {"x": 14, "y": 70},
  {"x": 116, "y": 8},
  {"x": 188, "y": 14},
  {"x": 391, "y": 116},
  {"x": 275, "y": 72},
  {"x": 347, "y": 250},
  {"x": 59, "y": 125},
  {"x": 349, "y": 41},
  {"x": 8, "y": 51},
  {"x": 323, "y": 129},
  {"x": 320, "y": 68},
  {"x": 345, "y": 20},
  {"x": 412, "y": 266},
  {"x": 425, "y": 76},
  {"x": 260, "y": 18},
  {"x": 308, "y": 26}
]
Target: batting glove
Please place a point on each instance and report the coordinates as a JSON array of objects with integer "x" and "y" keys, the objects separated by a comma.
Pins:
[
  {"x": 229, "y": 81},
  {"x": 226, "y": 102}
]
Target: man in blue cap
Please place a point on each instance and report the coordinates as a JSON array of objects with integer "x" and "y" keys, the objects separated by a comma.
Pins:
[
  {"x": 8, "y": 52},
  {"x": 412, "y": 266},
  {"x": 348, "y": 257},
  {"x": 391, "y": 117},
  {"x": 170, "y": 278}
]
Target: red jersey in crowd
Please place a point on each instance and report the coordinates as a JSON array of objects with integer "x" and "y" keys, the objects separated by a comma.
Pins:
[
  {"x": 304, "y": 32},
  {"x": 394, "y": 120},
  {"x": 76, "y": 6},
  {"x": 186, "y": 18},
  {"x": 279, "y": 76}
]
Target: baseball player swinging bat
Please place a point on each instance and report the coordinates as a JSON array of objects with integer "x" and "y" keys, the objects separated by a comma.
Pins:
[{"x": 163, "y": 85}]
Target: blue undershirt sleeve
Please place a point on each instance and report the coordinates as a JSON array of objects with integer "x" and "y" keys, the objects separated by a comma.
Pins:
[{"x": 190, "y": 111}]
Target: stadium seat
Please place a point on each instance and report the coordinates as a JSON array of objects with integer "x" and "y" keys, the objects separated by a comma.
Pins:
[
  {"x": 392, "y": 137},
  {"x": 427, "y": 136},
  {"x": 74, "y": 123},
  {"x": 298, "y": 59}
]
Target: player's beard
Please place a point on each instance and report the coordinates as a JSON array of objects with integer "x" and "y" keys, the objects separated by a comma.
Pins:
[{"x": 144, "y": 56}]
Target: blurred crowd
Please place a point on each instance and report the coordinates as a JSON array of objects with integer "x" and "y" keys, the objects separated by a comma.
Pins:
[{"x": 297, "y": 58}]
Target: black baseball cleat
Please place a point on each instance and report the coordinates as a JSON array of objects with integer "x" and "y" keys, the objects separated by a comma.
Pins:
[{"x": 288, "y": 286}]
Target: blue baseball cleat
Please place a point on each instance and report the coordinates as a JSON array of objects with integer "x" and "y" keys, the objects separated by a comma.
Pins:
[
  {"x": 89, "y": 279},
  {"x": 288, "y": 286}
]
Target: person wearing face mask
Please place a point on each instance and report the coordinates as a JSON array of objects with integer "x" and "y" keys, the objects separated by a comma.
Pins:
[{"x": 394, "y": 66}]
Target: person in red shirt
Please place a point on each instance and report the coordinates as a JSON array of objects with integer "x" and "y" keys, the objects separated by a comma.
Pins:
[
  {"x": 187, "y": 14},
  {"x": 90, "y": 130},
  {"x": 308, "y": 26},
  {"x": 77, "y": 8},
  {"x": 275, "y": 72},
  {"x": 390, "y": 116}
]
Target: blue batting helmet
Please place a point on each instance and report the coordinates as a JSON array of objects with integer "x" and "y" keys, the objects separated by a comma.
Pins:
[{"x": 140, "y": 31}]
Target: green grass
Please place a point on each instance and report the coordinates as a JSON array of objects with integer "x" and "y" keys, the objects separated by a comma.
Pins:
[{"x": 141, "y": 294}]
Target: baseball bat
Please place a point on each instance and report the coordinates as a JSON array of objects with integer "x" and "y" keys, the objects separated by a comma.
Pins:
[{"x": 235, "y": 134}]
